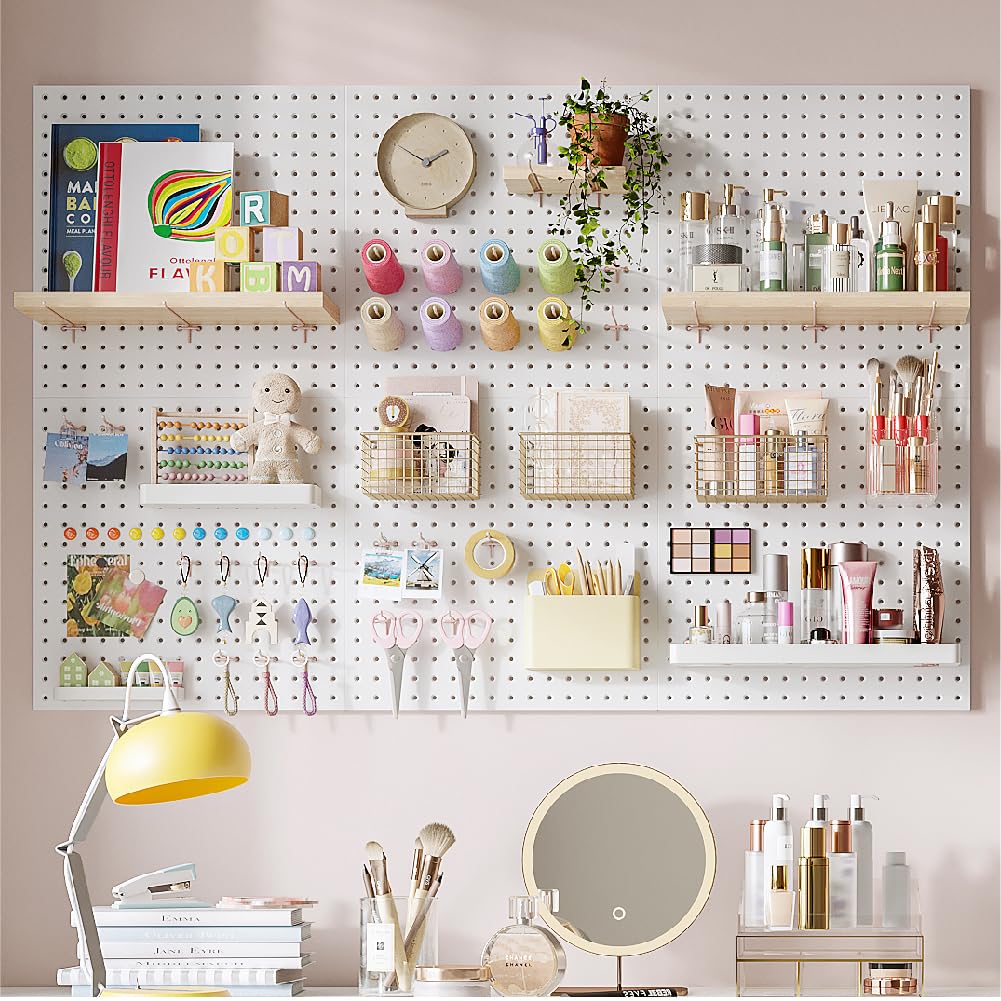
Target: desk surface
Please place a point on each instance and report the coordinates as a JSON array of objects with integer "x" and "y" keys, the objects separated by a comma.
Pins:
[{"x": 315, "y": 993}]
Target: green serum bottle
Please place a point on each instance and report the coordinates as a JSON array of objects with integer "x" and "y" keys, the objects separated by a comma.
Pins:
[{"x": 891, "y": 255}]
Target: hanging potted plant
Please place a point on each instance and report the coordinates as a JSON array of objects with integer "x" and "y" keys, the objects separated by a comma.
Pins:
[{"x": 605, "y": 131}]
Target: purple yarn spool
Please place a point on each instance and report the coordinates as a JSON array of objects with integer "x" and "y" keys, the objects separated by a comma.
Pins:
[
  {"x": 442, "y": 328},
  {"x": 442, "y": 274}
]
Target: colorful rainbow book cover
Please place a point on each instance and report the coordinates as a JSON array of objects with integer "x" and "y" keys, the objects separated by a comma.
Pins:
[
  {"x": 73, "y": 192},
  {"x": 159, "y": 205}
]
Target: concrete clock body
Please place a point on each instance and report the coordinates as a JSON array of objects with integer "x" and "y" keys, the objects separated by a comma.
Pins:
[{"x": 427, "y": 163}]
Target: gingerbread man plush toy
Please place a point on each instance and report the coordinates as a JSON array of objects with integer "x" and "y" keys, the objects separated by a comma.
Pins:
[{"x": 276, "y": 437}]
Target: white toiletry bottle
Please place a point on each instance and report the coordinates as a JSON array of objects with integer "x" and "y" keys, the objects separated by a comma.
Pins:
[
  {"x": 818, "y": 815},
  {"x": 724, "y": 622},
  {"x": 843, "y": 869},
  {"x": 861, "y": 258},
  {"x": 896, "y": 891},
  {"x": 754, "y": 877},
  {"x": 862, "y": 844},
  {"x": 778, "y": 835}
]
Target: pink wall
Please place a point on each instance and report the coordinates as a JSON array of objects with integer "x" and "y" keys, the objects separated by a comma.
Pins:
[{"x": 321, "y": 788}]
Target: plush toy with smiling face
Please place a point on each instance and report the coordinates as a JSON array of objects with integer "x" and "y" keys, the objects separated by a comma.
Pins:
[{"x": 276, "y": 436}]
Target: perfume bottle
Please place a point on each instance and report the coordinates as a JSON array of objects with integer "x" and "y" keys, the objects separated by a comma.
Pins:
[
  {"x": 802, "y": 466},
  {"x": 862, "y": 259},
  {"x": 751, "y": 621},
  {"x": 891, "y": 257},
  {"x": 525, "y": 959},
  {"x": 815, "y": 580},
  {"x": 771, "y": 251},
  {"x": 694, "y": 232},
  {"x": 700, "y": 632},
  {"x": 946, "y": 205},
  {"x": 837, "y": 261},
  {"x": 817, "y": 237}
]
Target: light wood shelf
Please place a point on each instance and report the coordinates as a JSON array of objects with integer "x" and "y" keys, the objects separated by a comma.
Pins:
[
  {"x": 794, "y": 655},
  {"x": 229, "y": 495},
  {"x": 186, "y": 309},
  {"x": 825, "y": 309},
  {"x": 555, "y": 180}
]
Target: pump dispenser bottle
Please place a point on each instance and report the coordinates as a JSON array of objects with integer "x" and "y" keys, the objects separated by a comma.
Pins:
[
  {"x": 891, "y": 256},
  {"x": 778, "y": 835},
  {"x": 694, "y": 233},
  {"x": 818, "y": 815},
  {"x": 771, "y": 255},
  {"x": 862, "y": 843},
  {"x": 843, "y": 876},
  {"x": 814, "y": 886},
  {"x": 727, "y": 234},
  {"x": 861, "y": 258}
]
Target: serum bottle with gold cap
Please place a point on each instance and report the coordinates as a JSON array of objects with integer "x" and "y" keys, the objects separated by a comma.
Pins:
[
  {"x": 946, "y": 219},
  {"x": 694, "y": 232},
  {"x": 818, "y": 236},
  {"x": 771, "y": 251},
  {"x": 814, "y": 873},
  {"x": 837, "y": 261}
]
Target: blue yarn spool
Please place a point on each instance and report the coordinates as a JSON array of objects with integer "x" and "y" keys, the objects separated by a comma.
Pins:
[{"x": 498, "y": 268}]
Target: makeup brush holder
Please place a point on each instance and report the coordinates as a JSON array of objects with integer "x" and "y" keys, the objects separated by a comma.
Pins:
[
  {"x": 902, "y": 470},
  {"x": 380, "y": 964}
]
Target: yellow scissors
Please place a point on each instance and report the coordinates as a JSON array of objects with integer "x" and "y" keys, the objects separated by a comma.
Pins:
[{"x": 559, "y": 580}]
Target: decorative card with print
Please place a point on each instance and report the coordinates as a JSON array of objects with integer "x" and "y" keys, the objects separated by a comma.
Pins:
[
  {"x": 85, "y": 572},
  {"x": 128, "y": 604}
]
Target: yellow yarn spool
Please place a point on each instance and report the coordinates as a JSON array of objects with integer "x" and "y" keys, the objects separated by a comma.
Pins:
[
  {"x": 500, "y": 330},
  {"x": 556, "y": 269},
  {"x": 383, "y": 328},
  {"x": 557, "y": 328}
]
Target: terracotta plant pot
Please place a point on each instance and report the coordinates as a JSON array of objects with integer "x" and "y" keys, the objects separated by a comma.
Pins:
[{"x": 608, "y": 136}]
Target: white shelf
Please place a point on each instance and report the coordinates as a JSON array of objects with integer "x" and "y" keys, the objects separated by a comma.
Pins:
[
  {"x": 229, "y": 495},
  {"x": 814, "y": 655},
  {"x": 115, "y": 694}
]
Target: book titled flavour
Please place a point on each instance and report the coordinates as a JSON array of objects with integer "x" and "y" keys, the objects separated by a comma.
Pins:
[{"x": 159, "y": 205}]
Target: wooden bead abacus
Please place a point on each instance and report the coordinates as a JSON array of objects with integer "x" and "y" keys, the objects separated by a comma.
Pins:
[{"x": 195, "y": 448}]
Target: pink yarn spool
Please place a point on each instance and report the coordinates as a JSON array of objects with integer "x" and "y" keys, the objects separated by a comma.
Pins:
[
  {"x": 383, "y": 271},
  {"x": 442, "y": 274},
  {"x": 442, "y": 328}
]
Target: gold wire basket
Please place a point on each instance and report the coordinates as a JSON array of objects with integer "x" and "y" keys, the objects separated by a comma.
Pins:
[
  {"x": 429, "y": 465},
  {"x": 761, "y": 469},
  {"x": 576, "y": 466}
]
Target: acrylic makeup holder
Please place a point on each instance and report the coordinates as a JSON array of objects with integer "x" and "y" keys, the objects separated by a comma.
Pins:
[
  {"x": 576, "y": 466},
  {"x": 903, "y": 471},
  {"x": 403, "y": 465}
]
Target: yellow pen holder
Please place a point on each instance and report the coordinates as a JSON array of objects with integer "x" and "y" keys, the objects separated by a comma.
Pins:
[{"x": 582, "y": 632}]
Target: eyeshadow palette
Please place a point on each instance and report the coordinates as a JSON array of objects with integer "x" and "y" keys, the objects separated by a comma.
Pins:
[{"x": 711, "y": 550}]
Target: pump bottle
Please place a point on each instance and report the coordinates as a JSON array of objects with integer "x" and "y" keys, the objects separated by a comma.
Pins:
[
  {"x": 862, "y": 843},
  {"x": 818, "y": 815},
  {"x": 843, "y": 869},
  {"x": 772, "y": 243},
  {"x": 778, "y": 835},
  {"x": 862, "y": 258},
  {"x": 891, "y": 255},
  {"x": 727, "y": 234}
]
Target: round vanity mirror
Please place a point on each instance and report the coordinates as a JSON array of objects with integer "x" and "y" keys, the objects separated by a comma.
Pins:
[{"x": 631, "y": 853}]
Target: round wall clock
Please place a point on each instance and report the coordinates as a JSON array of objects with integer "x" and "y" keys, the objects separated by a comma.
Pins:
[{"x": 427, "y": 163}]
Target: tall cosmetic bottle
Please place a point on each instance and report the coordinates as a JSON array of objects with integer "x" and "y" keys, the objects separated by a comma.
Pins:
[
  {"x": 694, "y": 225},
  {"x": 817, "y": 237},
  {"x": 775, "y": 575},
  {"x": 724, "y": 622},
  {"x": 748, "y": 455},
  {"x": 754, "y": 876},
  {"x": 946, "y": 205},
  {"x": 896, "y": 891},
  {"x": 843, "y": 876},
  {"x": 838, "y": 268},
  {"x": 862, "y": 258},
  {"x": 842, "y": 552},
  {"x": 862, "y": 843},
  {"x": 801, "y": 466},
  {"x": 814, "y": 885},
  {"x": 771, "y": 255},
  {"x": 778, "y": 835},
  {"x": 815, "y": 580},
  {"x": 727, "y": 233},
  {"x": 891, "y": 257}
]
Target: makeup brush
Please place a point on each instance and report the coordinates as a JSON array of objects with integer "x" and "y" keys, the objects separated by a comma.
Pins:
[
  {"x": 366, "y": 878},
  {"x": 384, "y": 902},
  {"x": 872, "y": 373},
  {"x": 930, "y": 381},
  {"x": 909, "y": 368},
  {"x": 436, "y": 839},
  {"x": 415, "y": 880},
  {"x": 415, "y": 937}
]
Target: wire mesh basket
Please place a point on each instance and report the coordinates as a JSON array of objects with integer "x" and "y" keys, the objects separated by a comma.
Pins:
[
  {"x": 437, "y": 465},
  {"x": 577, "y": 466},
  {"x": 761, "y": 469}
]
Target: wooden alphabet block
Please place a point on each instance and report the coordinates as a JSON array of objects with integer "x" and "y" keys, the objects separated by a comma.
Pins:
[
  {"x": 234, "y": 243},
  {"x": 281, "y": 243},
  {"x": 263, "y": 208},
  {"x": 258, "y": 276},
  {"x": 300, "y": 276}
]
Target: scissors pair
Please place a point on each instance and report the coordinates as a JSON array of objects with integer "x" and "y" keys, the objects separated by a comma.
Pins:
[
  {"x": 396, "y": 634},
  {"x": 465, "y": 634},
  {"x": 559, "y": 580}
]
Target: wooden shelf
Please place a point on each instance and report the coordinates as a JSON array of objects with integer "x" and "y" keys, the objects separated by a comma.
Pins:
[
  {"x": 223, "y": 309},
  {"x": 833, "y": 309},
  {"x": 555, "y": 180},
  {"x": 797, "y": 655},
  {"x": 229, "y": 495}
]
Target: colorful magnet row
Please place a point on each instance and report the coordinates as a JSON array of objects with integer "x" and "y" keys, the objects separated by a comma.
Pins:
[{"x": 284, "y": 533}]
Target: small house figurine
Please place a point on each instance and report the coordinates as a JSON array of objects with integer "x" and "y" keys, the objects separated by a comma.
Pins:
[
  {"x": 73, "y": 672},
  {"x": 103, "y": 676}
]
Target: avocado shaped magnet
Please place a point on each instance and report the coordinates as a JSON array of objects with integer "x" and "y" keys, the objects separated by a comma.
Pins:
[{"x": 184, "y": 616}]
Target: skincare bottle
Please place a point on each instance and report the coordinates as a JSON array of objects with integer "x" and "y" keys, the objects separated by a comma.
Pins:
[
  {"x": 891, "y": 256},
  {"x": 754, "y": 877},
  {"x": 778, "y": 835},
  {"x": 842, "y": 552},
  {"x": 837, "y": 261},
  {"x": 946, "y": 205},
  {"x": 862, "y": 843},
  {"x": 525, "y": 960},
  {"x": 773, "y": 463},
  {"x": 817, "y": 237},
  {"x": 775, "y": 577},
  {"x": 785, "y": 619},
  {"x": 802, "y": 466},
  {"x": 780, "y": 901},
  {"x": 813, "y": 878},
  {"x": 862, "y": 258},
  {"x": 772, "y": 243},
  {"x": 748, "y": 448},
  {"x": 815, "y": 580},
  {"x": 926, "y": 251},
  {"x": 701, "y": 632},
  {"x": 896, "y": 891},
  {"x": 727, "y": 233},
  {"x": 724, "y": 622},
  {"x": 694, "y": 227},
  {"x": 843, "y": 876},
  {"x": 751, "y": 621},
  {"x": 818, "y": 814}
]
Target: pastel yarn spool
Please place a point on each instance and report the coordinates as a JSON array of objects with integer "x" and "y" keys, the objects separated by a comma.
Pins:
[
  {"x": 383, "y": 271},
  {"x": 557, "y": 328},
  {"x": 442, "y": 274},
  {"x": 500, "y": 330},
  {"x": 556, "y": 269},
  {"x": 383, "y": 328},
  {"x": 442, "y": 328},
  {"x": 498, "y": 268}
]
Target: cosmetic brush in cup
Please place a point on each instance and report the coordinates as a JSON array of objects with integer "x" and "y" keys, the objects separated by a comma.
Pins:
[
  {"x": 932, "y": 378},
  {"x": 386, "y": 906},
  {"x": 909, "y": 368},
  {"x": 436, "y": 839},
  {"x": 875, "y": 386},
  {"x": 415, "y": 937},
  {"x": 415, "y": 881}
]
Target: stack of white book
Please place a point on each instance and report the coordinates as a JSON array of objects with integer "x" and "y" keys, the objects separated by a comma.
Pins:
[{"x": 253, "y": 953}]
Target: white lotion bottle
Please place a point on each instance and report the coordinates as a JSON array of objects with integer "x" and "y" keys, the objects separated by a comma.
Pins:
[
  {"x": 778, "y": 836},
  {"x": 754, "y": 877},
  {"x": 896, "y": 891},
  {"x": 843, "y": 869},
  {"x": 862, "y": 844},
  {"x": 818, "y": 815}
]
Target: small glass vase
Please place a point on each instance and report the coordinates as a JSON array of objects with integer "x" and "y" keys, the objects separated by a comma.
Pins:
[{"x": 382, "y": 967}]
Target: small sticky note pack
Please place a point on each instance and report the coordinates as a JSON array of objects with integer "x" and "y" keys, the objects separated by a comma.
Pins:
[{"x": 235, "y": 267}]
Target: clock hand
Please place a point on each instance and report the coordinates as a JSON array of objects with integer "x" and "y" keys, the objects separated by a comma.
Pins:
[
  {"x": 431, "y": 159},
  {"x": 415, "y": 155}
]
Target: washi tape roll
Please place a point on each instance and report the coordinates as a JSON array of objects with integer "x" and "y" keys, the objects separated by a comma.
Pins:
[
  {"x": 394, "y": 413},
  {"x": 490, "y": 537},
  {"x": 498, "y": 269},
  {"x": 383, "y": 271},
  {"x": 558, "y": 330},
  {"x": 442, "y": 328},
  {"x": 442, "y": 274},
  {"x": 383, "y": 328},
  {"x": 556, "y": 269},
  {"x": 499, "y": 328}
]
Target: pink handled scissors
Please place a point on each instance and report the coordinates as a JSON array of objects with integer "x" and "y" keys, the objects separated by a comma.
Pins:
[
  {"x": 396, "y": 634},
  {"x": 465, "y": 634}
]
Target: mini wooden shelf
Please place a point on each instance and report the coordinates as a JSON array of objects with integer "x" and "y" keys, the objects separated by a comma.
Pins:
[
  {"x": 115, "y": 693},
  {"x": 229, "y": 495},
  {"x": 556, "y": 180},
  {"x": 701, "y": 310},
  {"x": 185, "y": 309},
  {"x": 794, "y": 655}
]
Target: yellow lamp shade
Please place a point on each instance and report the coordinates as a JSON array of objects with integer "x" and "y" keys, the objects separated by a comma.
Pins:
[{"x": 176, "y": 756}]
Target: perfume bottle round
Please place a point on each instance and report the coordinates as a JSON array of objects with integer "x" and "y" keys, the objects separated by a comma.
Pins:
[{"x": 525, "y": 960}]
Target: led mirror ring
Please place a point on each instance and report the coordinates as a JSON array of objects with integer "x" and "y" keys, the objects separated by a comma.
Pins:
[
  {"x": 489, "y": 538},
  {"x": 394, "y": 413},
  {"x": 606, "y": 818}
]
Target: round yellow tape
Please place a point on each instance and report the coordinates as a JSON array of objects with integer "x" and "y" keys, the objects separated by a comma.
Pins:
[{"x": 491, "y": 573}]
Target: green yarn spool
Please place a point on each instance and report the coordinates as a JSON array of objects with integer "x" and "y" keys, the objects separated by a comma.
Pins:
[
  {"x": 557, "y": 328},
  {"x": 556, "y": 270}
]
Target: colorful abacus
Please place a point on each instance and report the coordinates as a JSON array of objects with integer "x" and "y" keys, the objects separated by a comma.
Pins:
[{"x": 192, "y": 448}]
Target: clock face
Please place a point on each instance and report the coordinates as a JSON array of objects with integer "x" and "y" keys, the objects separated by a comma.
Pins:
[{"x": 427, "y": 162}]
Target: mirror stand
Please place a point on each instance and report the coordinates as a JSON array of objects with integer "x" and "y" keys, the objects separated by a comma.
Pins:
[{"x": 618, "y": 992}]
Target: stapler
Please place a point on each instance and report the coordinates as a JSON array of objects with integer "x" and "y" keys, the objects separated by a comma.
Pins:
[{"x": 167, "y": 887}]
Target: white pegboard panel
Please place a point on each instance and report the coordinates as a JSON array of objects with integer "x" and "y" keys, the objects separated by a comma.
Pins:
[{"x": 319, "y": 145}]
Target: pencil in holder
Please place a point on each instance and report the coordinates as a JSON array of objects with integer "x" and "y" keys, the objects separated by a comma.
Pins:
[
  {"x": 556, "y": 270},
  {"x": 442, "y": 274},
  {"x": 558, "y": 330},
  {"x": 383, "y": 271},
  {"x": 442, "y": 328},
  {"x": 500, "y": 330},
  {"x": 383, "y": 328},
  {"x": 498, "y": 269}
]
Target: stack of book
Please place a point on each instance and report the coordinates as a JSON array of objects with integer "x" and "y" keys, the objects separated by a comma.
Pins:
[{"x": 253, "y": 953}]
